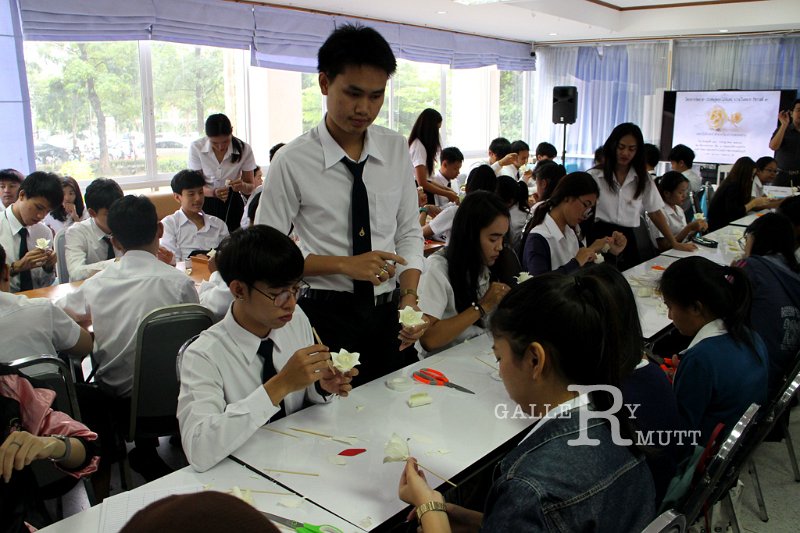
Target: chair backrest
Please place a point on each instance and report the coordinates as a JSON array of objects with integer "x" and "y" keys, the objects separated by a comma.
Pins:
[
  {"x": 717, "y": 468},
  {"x": 643, "y": 243},
  {"x": 669, "y": 521},
  {"x": 60, "y": 245},
  {"x": 160, "y": 335},
  {"x": 53, "y": 373},
  {"x": 179, "y": 359}
]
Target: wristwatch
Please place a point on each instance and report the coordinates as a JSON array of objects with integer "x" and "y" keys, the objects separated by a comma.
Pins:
[
  {"x": 407, "y": 292},
  {"x": 67, "y": 447},
  {"x": 430, "y": 506}
]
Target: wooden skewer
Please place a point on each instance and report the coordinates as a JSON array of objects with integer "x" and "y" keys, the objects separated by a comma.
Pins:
[
  {"x": 312, "y": 433},
  {"x": 296, "y": 473},
  {"x": 254, "y": 491},
  {"x": 319, "y": 341},
  {"x": 435, "y": 474},
  {"x": 485, "y": 363},
  {"x": 279, "y": 431}
]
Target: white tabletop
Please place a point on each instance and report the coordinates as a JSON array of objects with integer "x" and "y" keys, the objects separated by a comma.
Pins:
[
  {"x": 644, "y": 279},
  {"x": 447, "y": 436},
  {"x": 223, "y": 477},
  {"x": 750, "y": 218},
  {"x": 727, "y": 251}
]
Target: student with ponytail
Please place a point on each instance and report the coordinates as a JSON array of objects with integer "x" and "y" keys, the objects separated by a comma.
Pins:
[
  {"x": 546, "y": 480},
  {"x": 553, "y": 242},
  {"x": 724, "y": 369},
  {"x": 773, "y": 271},
  {"x": 515, "y": 195}
]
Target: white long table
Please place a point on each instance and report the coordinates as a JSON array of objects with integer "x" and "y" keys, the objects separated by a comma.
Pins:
[
  {"x": 726, "y": 252},
  {"x": 749, "y": 218},
  {"x": 448, "y": 436},
  {"x": 223, "y": 477},
  {"x": 644, "y": 279}
]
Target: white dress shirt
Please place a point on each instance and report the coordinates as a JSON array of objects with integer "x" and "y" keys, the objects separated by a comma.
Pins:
[
  {"x": 85, "y": 250},
  {"x": 34, "y": 326},
  {"x": 56, "y": 225},
  {"x": 440, "y": 180},
  {"x": 563, "y": 245},
  {"x": 437, "y": 299},
  {"x": 10, "y": 239},
  {"x": 695, "y": 181},
  {"x": 201, "y": 157},
  {"x": 222, "y": 400},
  {"x": 516, "y": 225},
  {"x": 181, "y": 236},
  {"x": 758, "y": 188},
  {"x": 215, "y": 295},
  {"x": 116, "y": 300},
  {"x": 617, "y": 205},
  {"x": 246, "y": 219},
  {"x": 715, "y": 328},
  {"x": 676, "y": 218},
  {"x": 442, "y": 223},
  {"x": 310, "y": 187}
]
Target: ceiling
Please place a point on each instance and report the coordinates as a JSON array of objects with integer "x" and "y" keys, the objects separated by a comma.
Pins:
[{"x": 565, "y": 20}]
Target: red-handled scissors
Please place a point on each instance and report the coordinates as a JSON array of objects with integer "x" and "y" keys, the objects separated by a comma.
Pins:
[{"x": 434, "y": 377}]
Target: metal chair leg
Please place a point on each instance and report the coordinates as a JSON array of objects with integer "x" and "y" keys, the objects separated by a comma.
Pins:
[
  {"x": 787, "y": 437},
  {"x": 727, "y": 504},
  {"x": 762, "y": 508}
]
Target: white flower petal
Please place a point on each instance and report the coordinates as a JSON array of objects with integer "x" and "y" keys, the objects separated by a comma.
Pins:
[
  {"x": 523, "y": 277},
  {"x": 410, "y": 318},
  {"x": 42, "y": 243},
  {"x": 395, "y": 450},
  {"x": 419, "y": 399},
  {"x": 343, "y": 360}
]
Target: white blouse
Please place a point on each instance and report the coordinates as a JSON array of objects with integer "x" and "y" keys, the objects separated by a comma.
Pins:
[
  {"x": 617, "y": 205},
  {"x": 201, "y": 157}
]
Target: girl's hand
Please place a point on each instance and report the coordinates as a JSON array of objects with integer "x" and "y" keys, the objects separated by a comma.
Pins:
[
  {"x": 618, "y": 242},
  {"x": 414, "y": 487},
  {"x": 698, "y": 225},
  {"x": 585, "y": 255},
  {"x": 21, "y": 448}
]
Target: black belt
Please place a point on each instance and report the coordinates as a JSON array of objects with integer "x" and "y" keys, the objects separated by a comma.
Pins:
[{"x": 343, "y": 297}]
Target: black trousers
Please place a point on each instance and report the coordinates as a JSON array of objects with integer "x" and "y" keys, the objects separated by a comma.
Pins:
[
  {"x": 369, "y": 330},
  {"x": 230, "y": 211},
  {"x": 630, "y": 256}
]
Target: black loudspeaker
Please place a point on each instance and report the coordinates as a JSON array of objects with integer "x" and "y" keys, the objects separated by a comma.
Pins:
[{"x": 565, "y": 105}]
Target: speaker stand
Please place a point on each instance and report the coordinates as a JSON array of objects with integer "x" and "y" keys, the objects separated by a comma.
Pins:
[{"x": 564, "y": 147}]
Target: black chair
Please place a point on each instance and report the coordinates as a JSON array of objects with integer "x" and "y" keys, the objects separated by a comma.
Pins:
[
  {"x": 154, "y": 398},
  {"x": 701, "y": 497},
  {"x": 667, "y": 522},
  {"x": 53, "y": 373},
  {"x": 643, "y": 243}
]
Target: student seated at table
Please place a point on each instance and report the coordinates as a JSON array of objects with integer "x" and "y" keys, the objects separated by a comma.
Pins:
[
  {"x": 553, "y": 242},
  {"x": 34, "y": 326},
  {"x": 545, "y": 480},
  {"x": 115, "y": 300},
  {"x": 189, "y": 229},
  {"x": 681, "y": 158},
  {"x": 33, "y": 431},
  {"x": 515, "y": 195},
  {"x": 734, "y": 196},
  {"x": 766, "y": 172},
  {"x": 458, "y": 288},
  {"x": 790, "y": 208},
  {"x": 10, "y": 180},
  {"x": 674, "y": 188},
  {"x": 260, "y": 362},
  {"x": 644, "y": 384},
  {"x": 627, "y": 192},
  {"x": 481, "y": 178},
  {"x": 88, "y": 247},
  {"x": 724, "y": 369},
  {"x": 774, "y": 274},
  {"x": 545, "y": 151},
  {"x": 71, "y": 210},
  {"x": 546, "y": 175},
  {"x": 21, "y": 229},
  {"x": 501, "y": 158}
]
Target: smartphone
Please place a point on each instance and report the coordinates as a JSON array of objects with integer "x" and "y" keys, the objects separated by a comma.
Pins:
[{"x": 702, "y": 241}]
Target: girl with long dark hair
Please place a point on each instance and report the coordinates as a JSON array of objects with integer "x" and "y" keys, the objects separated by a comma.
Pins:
[
  {"x": 734, "y": 196},
  {"x": 674, "y": 189},
  {"x": 424, "y": 146},
  {"x": 71, "y": 210}
]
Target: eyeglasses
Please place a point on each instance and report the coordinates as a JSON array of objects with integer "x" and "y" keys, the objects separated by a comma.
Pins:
[
  {"x": 282, "y": 298},
  {"x": 588, "y": 208},
  {"x": 742, "y": 241}
]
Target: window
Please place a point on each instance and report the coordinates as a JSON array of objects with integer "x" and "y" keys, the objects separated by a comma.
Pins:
[
  {"x": 416, "y": 86},
  {"x": 510, "y": 100},
  {"x": 86, "y": 108}
]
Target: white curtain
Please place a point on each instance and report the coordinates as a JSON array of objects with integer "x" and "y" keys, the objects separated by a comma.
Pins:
[{"x": 16, "y": 139}]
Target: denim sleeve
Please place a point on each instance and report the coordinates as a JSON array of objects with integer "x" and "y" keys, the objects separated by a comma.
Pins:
[{"x": 513, "y": 505}]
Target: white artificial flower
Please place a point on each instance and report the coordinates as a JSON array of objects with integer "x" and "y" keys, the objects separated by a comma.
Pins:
[
  {"x": 606, "y": 248},
  {"x": 211, "y": 254},
  {"x": 598, "y": 259},
  {"x": 396, "y": 450},
  {"x": 523, "y": 277},
  {"x": 42, "y": 244},
  {"x": 410, "y": 318},
  {"x": 344, "y": 361}
]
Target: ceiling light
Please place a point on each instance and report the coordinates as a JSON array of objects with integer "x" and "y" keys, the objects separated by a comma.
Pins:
[
  {"x": 478, "y": 2},
  {"x": 552, "y": 34},
  {"x": 723, "y": 31},
  {"x": 441, "y": 12}
]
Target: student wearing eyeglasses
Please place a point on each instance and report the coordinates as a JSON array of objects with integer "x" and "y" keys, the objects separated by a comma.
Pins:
[
  {"x": 553, "y": 242},
  {"x": 260, "y": 362}
]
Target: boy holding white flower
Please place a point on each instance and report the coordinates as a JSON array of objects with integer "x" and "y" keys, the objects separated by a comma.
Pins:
[
  {"x": 26, "y": 239},
  {"x": 260, "y": 362}
]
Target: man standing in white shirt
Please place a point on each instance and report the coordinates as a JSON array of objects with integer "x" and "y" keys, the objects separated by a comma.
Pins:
[
  {"x": 344, "y": 187},
  {"x": 449, "y": 170},
  {"x": 261, "y": 361},
  {"x": 22, "y": 233},
  {"x": 116, "y": 299},
  {"x": 189, "y": 229}
]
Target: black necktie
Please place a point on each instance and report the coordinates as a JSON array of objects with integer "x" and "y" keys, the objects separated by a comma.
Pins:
[
  {"x": 268, "y": 370},
  {"x": 362, "y": 239},
  {"x": 25, "y": 278},
  {"x": 110, "y": 252}
]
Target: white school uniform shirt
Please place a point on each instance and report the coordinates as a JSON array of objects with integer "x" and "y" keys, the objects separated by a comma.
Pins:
[
  {"x": 758, "y": 188},
  {"x": 56, "y": 225},
  {"x": 34, "y": 326},
  {"x": 516, "y": 225},
  {"x": 201, "y": 157},
  {"x": 438, "y": 179},
  {"x": 310, "y": 187},
  {"x": 10, "y": 240},
  {"x": 85, "y": 250},
  {"x": 246, "y": 219},
  {"x": 676, "y": 218},
  {"x": 181, "y": 236},
  {"x": 437, "y": 299},
  {"x": 215, "y": 295},
  {"x": 116, "y": 300},
  {"x": 442, "y": 224},
  {"x": 695, "y": 181},
  {"x": 563, "y": 245},
  {"x": 222, "y": 400},
  {"x": 617, "y": 205}
]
